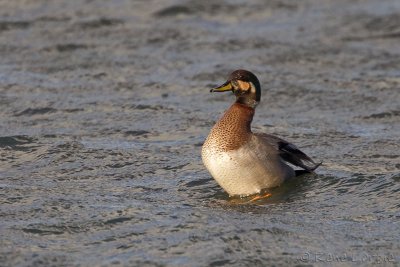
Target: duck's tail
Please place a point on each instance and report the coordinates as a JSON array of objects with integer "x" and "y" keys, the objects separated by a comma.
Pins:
[{"x": 307, "y": 170}]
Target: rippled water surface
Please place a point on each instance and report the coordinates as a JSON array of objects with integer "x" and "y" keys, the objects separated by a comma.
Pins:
[{"x": 104, "y": 106}]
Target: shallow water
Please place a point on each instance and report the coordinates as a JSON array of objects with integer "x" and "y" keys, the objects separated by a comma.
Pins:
[{"x": 104, "y": 106}]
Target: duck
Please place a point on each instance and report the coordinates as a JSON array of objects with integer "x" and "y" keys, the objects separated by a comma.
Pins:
[{"x": 244, "y": 162}]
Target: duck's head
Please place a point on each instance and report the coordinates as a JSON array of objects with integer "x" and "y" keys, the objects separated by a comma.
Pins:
[{"x": 244, "y": 85}]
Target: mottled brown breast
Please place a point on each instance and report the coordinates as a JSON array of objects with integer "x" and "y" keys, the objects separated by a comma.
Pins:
[{"x": 232, "y": 130}]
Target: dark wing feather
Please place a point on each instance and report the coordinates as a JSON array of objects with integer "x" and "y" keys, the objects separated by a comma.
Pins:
[{"x": 290, "y": 152}]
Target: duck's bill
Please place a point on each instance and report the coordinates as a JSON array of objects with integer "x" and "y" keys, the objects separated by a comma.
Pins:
[{"x": 223, "y": 88}]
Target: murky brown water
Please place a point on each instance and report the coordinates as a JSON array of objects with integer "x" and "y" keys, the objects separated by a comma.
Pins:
[{"x": 104, "y": 106}]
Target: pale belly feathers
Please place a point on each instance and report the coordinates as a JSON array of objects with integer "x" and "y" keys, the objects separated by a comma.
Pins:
[{"x": 246, "y": 170}]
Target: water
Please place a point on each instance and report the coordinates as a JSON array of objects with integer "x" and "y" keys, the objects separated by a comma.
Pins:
[{"x": 104, "y": 106}]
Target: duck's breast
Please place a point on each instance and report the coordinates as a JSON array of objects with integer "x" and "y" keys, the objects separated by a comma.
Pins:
[{"x": 248, "y": 169}]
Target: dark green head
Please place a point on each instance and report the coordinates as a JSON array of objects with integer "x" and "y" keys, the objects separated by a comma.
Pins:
[{"x": 244, "y": 85}]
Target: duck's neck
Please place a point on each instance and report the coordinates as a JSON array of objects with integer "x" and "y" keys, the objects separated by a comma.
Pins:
[
  {"x": 247, "y": 101},
  {"x": 234, "y": 128}
]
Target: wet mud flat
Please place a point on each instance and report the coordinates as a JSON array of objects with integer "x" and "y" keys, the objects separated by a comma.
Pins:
[{"x": 104, "y": 106}]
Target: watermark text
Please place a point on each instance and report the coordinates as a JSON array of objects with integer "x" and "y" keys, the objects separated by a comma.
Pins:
[{"x": 314, "y": 256}]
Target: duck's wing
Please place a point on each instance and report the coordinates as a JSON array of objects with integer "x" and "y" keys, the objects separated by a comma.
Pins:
[{"x": 289, "y": 152}]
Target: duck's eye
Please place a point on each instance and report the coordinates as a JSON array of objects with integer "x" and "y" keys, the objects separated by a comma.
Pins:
[
  {"x": 235, "y": 84},
  {"x": 245, "y": 86}
]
